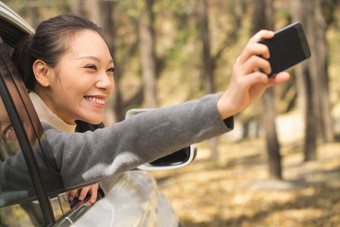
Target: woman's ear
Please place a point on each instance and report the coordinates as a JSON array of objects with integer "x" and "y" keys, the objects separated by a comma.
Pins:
[{"x": 41, "y": 72}]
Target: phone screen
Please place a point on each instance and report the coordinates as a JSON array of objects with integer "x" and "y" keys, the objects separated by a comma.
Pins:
[{"x": 288, "y": 47}]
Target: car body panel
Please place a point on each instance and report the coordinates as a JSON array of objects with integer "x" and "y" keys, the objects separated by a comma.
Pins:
[{"x": 135, "y": 200}]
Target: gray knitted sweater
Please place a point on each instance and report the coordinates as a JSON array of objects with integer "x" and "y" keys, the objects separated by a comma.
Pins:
[{"x": 85, "y": 158}]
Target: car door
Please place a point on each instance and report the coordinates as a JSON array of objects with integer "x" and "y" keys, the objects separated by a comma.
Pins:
[
  {"x": 24, "y": 199},
  {"x": 31, "y": 190},
  {"x": 28, "y": 195}
]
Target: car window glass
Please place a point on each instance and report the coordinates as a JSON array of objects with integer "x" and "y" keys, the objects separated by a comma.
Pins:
[
  {"x": 17, "y": 188},
  {"x": 15, "y": 180}
]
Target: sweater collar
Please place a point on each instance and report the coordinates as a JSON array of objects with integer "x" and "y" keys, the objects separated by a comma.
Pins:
[{"x": 47, "y": 116}]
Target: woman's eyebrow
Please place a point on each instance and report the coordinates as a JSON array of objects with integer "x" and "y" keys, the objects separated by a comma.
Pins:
[
  {"x": 93, "y": 58},
  {"x": 89, "y": 57}
]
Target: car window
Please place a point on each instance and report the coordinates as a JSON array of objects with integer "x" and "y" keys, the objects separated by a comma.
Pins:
[
  {"x": 45, "y": 190},
  {"x": 13, "y": 165},
  {"x": 26, "y": 178}
]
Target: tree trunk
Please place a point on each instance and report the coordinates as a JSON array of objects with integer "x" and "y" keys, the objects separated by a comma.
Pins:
[
  {"x": 147, "y": 55},
  {"x": 264, "y": 19},
  {"x": 311, "y": 127},
  {"x": 273, "y": 146},
  {"x": 208, "y": 77},
  {"x": 35, "y": 16},
  {"x": 208, "y": 64},
  {"x": 88, "y": 8},
  {"x": 319, "y": 70},
  {"x": 313, "y": 76}
]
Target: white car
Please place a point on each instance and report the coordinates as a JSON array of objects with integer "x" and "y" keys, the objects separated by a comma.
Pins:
[{"x": 31, "y": 198}]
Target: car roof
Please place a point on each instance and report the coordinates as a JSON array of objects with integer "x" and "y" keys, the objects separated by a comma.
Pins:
[{"x": 12, "y": 26}]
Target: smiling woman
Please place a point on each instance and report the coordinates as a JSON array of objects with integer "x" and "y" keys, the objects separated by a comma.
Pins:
[
  {"x": 73, "y": 78},
  {"x": 67, "y": 78},
  {"x": 80, "y": 83}
]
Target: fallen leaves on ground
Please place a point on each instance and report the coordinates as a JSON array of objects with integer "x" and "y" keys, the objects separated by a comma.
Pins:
[{"x": 235, "y": 189}]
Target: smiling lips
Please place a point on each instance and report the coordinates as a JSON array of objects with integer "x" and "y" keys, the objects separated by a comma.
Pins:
[
  {"x": 8, "y": 132},
  {"x": 95, "y": 100}
]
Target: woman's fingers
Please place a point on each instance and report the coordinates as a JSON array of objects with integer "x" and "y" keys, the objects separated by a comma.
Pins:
[
  {"x": 262, "y": 34},
  {"x": 255, "y": 78},
  {"x": 83, "y": 193},
  {"x": 255, "y": 48},
  {"x": 94, "y": 192},
  {"x": 80, "y": 194},
  {"x": 259, "y": 83},
  {"x": 278, "y": 79},
  {"x": 256, "y": 63},
  {"x": 72, "y": 194}
]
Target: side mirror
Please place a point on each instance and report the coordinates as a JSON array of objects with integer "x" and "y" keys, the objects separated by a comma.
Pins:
[{"x": 175, "y": 160}]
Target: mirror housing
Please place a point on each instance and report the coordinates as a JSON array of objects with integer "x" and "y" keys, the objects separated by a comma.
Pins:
[{"x": 175, "y": 160}]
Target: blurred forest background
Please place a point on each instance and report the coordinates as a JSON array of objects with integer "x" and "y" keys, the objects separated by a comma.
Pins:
[{"x": 281, "y": 164}]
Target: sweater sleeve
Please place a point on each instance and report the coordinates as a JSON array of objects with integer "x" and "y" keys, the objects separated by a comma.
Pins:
[{"x": 93, "y": 156}]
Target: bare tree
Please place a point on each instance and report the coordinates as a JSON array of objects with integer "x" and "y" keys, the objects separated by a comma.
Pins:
[
  {"x": 208, "y": 62},
  {"x": 147, "y": 55},
  {"x": 263, "y": 18},
  {"x": 313, "y": 76},
  {"x": 208, "y": 74},
  {"x": 87, "y": 8}
]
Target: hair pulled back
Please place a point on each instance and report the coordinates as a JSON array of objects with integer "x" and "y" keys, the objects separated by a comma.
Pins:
[{"x": 48, "y": 43}]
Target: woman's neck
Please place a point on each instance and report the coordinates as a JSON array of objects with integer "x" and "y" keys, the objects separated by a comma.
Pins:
[{"x": 46, "y": 115}]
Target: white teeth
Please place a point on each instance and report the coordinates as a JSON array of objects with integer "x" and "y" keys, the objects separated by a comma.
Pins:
[
  {"x": 9, "y": 131},
  {"x": 95, "y": 100}
]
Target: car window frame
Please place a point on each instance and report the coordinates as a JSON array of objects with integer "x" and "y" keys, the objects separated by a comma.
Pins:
[
  {"x": 5, "y": 84},
  {"x": 15, "y": 25},
  {"x": 11, "y": 85}
]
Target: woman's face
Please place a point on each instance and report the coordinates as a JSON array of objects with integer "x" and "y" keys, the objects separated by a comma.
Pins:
[
  {"x": 6, "y": 128},
  {"x": 82, "y": 80}
]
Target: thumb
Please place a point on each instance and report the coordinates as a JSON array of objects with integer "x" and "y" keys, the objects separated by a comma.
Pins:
[{"x": 279, "y": 79}]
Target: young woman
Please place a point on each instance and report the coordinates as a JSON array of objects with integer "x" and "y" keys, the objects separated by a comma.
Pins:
[
  {"x": 68, "y": 69},
  {"x": 68, "y": 79}
]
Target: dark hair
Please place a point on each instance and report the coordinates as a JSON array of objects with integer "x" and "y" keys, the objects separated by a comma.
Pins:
[{"x": 48, "y": 43}]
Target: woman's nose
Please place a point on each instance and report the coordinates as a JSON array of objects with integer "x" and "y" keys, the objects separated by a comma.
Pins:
[{"x": 105, "y": 81}]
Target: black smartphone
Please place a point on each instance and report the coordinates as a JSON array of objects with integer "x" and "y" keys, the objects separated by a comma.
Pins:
[{"x": 287, "y": 48}]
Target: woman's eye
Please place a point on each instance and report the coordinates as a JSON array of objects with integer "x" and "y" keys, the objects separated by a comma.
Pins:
[
  {"x": 91, "y": 67},
  {"x": 111, "y": 70}
]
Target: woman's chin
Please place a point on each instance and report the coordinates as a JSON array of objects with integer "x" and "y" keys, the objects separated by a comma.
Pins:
[{"x": 94, "y": 120}]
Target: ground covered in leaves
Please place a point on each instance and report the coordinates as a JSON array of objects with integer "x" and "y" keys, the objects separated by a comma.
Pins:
[{"x": 235, "y": 190}]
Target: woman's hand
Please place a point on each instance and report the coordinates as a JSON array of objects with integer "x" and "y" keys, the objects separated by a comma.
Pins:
[
  {"x": 248, "y": 82},
  {"x": 80, "y": 194}
]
